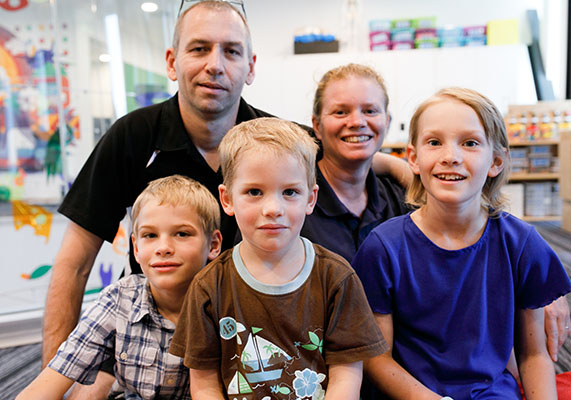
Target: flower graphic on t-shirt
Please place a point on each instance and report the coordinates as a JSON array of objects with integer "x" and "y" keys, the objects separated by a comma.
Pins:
[{"x": 307, "y": 383}]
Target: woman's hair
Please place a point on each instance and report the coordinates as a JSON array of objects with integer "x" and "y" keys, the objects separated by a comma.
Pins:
[
  {"x": 178, "y": 190},
  {"x": 267, "y": 134},
  {"x": 343, "y": 72},
  {"x": 494, "y": 128}
]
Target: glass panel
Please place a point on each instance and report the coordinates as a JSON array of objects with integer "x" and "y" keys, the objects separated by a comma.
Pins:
[{"x": 73, "y": 66}]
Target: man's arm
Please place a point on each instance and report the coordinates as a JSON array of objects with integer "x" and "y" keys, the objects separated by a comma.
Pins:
[
  {"x": 70, "y": 272},
  {"x": 48, "y": 385},
  {"x": 344, "y": 381},
  {"x": 557, "y": 325},
  {"x": 535, "y": 366},
  {"x": 389, "y": 376},
  {"x": 385, "y": 164},
  {"x": 205, "y": 385}
]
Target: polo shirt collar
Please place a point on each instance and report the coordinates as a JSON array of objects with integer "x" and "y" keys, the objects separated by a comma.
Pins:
[
  {"x": 173, "y": 135},
  {"x": 331, "y": 206}
]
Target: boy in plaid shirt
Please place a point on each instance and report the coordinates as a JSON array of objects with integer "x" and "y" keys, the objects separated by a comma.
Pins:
[{"x": 175, "y": 232}]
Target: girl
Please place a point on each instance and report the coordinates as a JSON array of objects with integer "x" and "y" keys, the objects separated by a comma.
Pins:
[{"x": 456, "y": 284}]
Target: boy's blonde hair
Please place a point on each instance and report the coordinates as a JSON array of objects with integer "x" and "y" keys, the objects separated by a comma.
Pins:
[
  {"x": 343, "y": 72},
  {"x": 267, "y": 133},
  {"x": 495, "y": 130},
  {"x": 178, "y": 190}
]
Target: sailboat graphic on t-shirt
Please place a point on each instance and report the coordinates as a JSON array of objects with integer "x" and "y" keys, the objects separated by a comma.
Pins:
[{"x": 262, "y": 360}]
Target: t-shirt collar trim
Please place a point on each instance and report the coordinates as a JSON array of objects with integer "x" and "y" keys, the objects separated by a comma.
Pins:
[{"x": 286, "y": 288}]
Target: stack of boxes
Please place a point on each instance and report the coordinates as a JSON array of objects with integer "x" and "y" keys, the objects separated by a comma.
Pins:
[
  {"x": 533, "y": 132},
  {"x": 421, "y": 33}
]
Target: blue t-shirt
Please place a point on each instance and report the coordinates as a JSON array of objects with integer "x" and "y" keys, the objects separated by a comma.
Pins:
[{"x": 454, "y": 310}]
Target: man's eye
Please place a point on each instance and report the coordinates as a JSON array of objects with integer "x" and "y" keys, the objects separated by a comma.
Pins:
[{"x": 233, "y": 52}]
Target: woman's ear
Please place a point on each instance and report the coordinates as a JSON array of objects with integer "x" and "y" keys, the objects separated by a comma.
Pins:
[
  {"x": 226, "y": 200},
  {"x": 411, "y": 157},
  {"x": 315, "y": 123}
]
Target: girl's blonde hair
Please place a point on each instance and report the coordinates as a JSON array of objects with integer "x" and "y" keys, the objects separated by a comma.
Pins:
[
  {"x": 178, "y": 190},
  {"x": 267, "y": 133},
  {"x": 494, "y": 128}
]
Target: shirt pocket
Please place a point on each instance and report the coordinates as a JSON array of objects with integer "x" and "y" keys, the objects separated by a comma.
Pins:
[{"x": 137, "y": 366}]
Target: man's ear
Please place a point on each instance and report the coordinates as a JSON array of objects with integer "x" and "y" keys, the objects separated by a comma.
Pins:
[
  {"x": 135, "y": 248},
  {"x": 497, "y": 164},
  {"x": 215, "y": 245},
  {"x": 252, "y": 72},
  {"x": 312, "y": 200},
  {"x": 170, "y": 58},
  {"x": 411, "y": 157},
  {"x": 226, "y": 200}
]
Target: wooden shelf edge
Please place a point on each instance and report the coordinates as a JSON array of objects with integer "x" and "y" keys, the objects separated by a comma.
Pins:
[
  {"x": 550, "y": 218},
  {"x": 541, "y": 142},
  {"x": 531, "y": 176}
]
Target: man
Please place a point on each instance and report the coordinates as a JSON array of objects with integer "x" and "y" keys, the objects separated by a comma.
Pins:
[{"x": 211, "y": 59}]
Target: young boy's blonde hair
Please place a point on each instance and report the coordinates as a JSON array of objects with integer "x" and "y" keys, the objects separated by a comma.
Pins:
[
  {"x": 495, "y": 130},
  {"x": 178, "y": 190},
  {"x": 267, "y": 134}
]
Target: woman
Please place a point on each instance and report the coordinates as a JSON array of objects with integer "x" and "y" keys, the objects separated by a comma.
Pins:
[{"x": 350, "y": 119}]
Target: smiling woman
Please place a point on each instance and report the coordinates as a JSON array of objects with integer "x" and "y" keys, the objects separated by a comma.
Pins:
[{"x": 350, "y": 118}]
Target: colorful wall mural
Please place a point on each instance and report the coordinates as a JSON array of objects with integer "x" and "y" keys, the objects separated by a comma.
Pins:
[{"x": 29, "y": 114}]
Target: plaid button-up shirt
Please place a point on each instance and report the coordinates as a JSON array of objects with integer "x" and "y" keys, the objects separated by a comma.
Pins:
[{"x": 124, "y": 324}]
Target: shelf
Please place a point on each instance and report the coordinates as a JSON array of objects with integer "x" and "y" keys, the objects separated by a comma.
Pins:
[
  {"x": 552, "y": 218},
  {"x": 395, "y": 145},
  {"x": 534, "y": 176},
  {"x": 541, "y": 142}
]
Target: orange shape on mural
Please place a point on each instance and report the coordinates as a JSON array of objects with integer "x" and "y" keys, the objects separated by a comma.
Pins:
[{"x": 35, "y": 216}]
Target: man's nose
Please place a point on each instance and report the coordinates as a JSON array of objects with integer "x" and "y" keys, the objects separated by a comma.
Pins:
[{"x": 215, "y": 61}]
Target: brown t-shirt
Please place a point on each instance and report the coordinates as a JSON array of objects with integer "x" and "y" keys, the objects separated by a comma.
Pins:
[{"x": 276, "y": 340}]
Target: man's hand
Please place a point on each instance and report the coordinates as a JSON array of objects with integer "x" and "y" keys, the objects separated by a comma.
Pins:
[{"x": 557, "y": 323}]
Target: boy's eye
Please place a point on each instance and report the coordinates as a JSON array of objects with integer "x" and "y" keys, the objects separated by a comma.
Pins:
[
  {"x": 254, "y": 192},
  {"x": 433, "y": 142},
  {"x": 290, "y": 192},
  {"x": 183, "y": 234},
  {"x": 148, "y": 235}
]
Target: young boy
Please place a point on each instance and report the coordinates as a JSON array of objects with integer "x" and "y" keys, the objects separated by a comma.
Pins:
[
  {"x": 276, "y": 316},
  {"x": 175, "y": 232}
]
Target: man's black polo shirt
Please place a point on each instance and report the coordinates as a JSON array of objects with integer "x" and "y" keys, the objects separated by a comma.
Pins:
[{"x": 146, "y": 144}]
